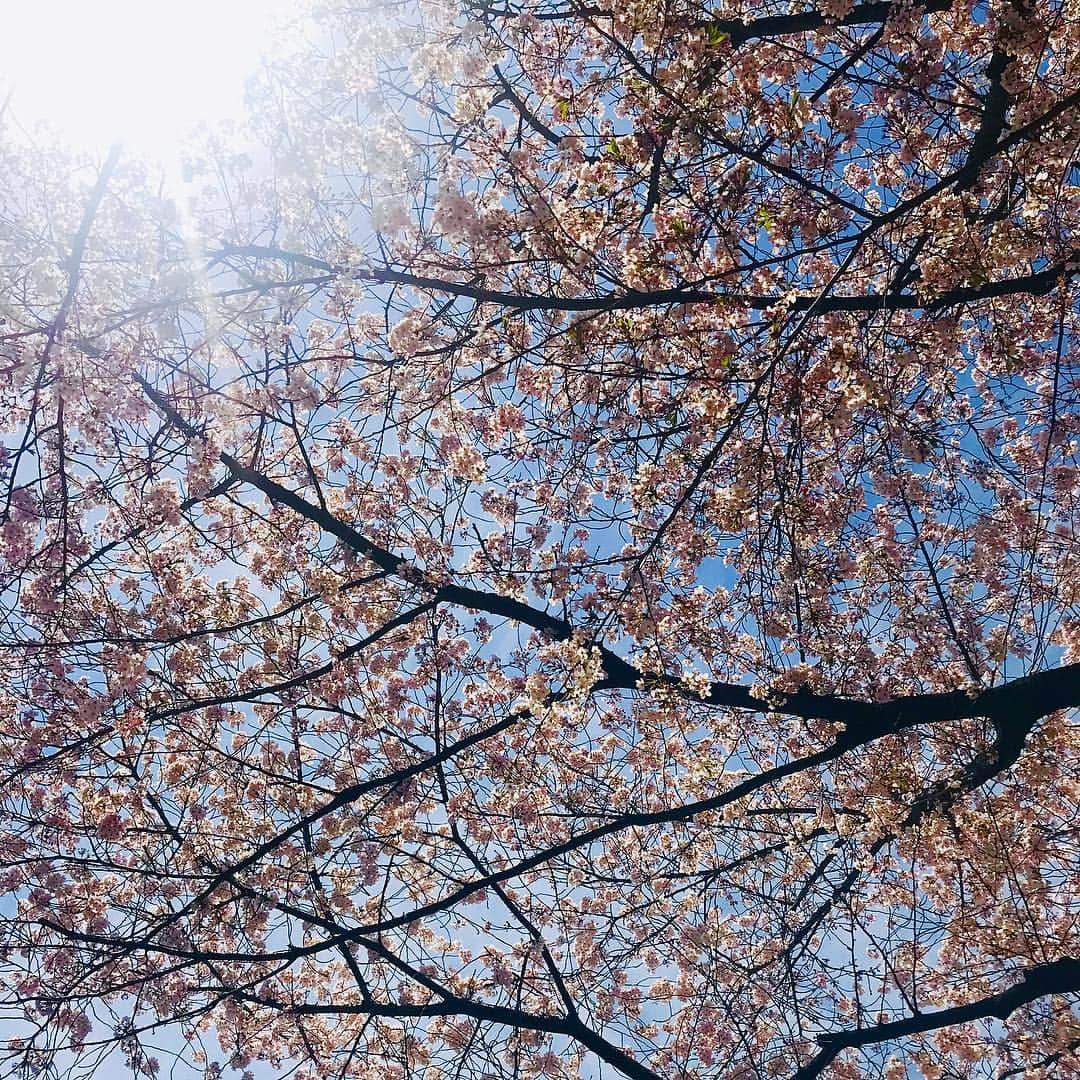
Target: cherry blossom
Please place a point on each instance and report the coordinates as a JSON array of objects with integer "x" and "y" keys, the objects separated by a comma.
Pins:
[{"x": 557, "y": 552}]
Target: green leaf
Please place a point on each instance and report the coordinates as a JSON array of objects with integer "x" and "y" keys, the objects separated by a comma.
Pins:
[{"x": 714, "y": 35}]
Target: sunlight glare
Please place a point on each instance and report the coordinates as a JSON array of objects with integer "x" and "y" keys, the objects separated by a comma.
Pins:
[{"x": 138, "y": 71}]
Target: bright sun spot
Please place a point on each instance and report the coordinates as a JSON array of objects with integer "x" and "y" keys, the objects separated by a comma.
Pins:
[{"x": 137, "y": 71}]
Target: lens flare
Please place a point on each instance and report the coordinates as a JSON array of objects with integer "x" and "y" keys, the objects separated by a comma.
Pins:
[{"x": 135, "y": 71}]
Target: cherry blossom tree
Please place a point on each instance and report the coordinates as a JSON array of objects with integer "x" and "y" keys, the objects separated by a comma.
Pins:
[{"x": 554, "y": 553}]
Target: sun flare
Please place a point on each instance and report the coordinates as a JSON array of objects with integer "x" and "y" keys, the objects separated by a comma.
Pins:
[{"x": 138, "y": 71}]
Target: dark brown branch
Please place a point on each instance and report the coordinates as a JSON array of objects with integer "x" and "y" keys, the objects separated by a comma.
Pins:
[
  {"x": 1036, "y": 284},
  {"x": 495, "y": 1014},
  {"x": 1034, "y": 695},
  {"x": 1060, "y": 977},
  {"x": 739, "y": 32},
  {"x": 804, "y": 22}
]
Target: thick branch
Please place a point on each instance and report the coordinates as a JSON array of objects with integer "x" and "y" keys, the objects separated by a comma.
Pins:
[
  {"x": 1060, "y": 977},
  {"x": 1032, "y": 696},
  {"x": 1036, "y": 284},
  {"x": 804, "y": 22},
  {"x": 493, "y": 1014}
]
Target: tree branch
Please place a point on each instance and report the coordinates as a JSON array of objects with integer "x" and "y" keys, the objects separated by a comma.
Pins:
[{"x": 1059, "y": 977}]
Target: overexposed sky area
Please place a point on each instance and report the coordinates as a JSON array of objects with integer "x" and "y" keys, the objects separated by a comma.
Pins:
[{"x": 134, "y": 71}]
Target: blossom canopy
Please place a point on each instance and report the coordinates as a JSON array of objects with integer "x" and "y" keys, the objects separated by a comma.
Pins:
[{"x": 553, "y": 551}]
